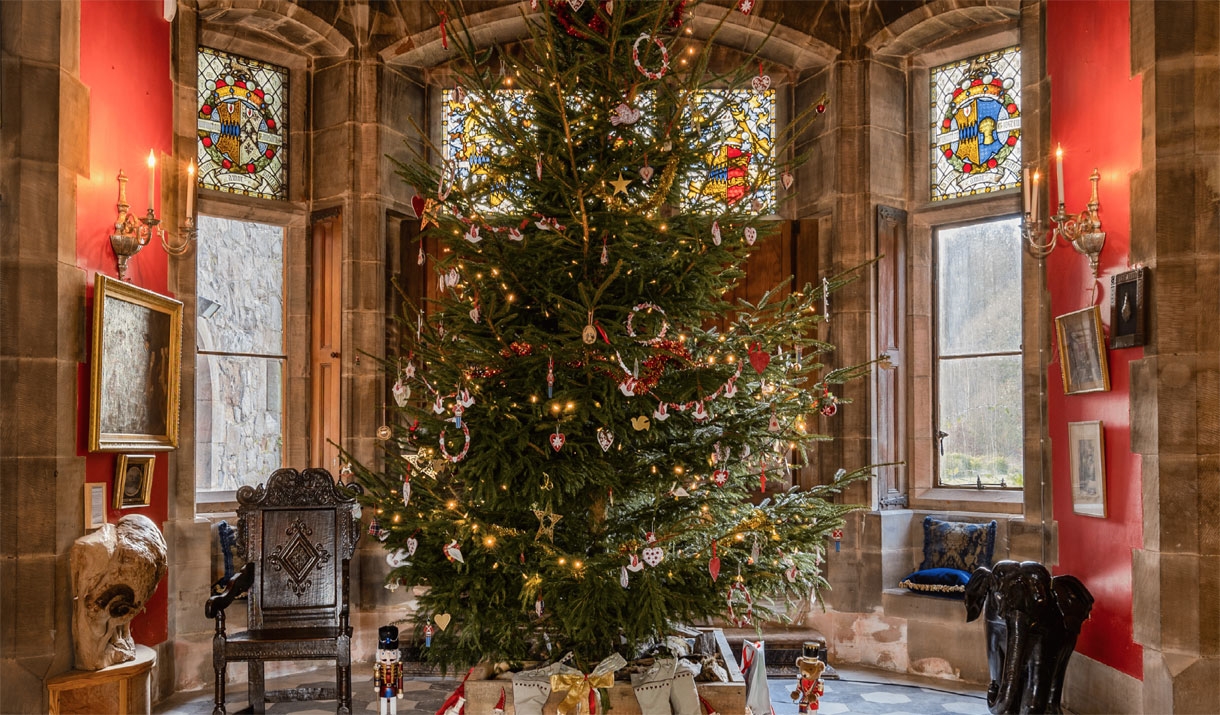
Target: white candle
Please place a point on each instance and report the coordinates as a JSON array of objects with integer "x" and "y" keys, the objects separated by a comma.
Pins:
[
  {"x": 1025, "y": 191},
  {"x": 1059, "y": 171},
  {"x": 1037, "y": 196},
  {"x": 190, "y": 190},
  {"x": 152, "y": 178}
]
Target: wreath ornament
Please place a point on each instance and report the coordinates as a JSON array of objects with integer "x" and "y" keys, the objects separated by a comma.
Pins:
[{"x": 635, "y": 57}]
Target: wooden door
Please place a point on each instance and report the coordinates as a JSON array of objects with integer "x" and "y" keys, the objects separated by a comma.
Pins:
[
  {"x": 325, "y": 364},
  {"x": 890, "y": 421}
]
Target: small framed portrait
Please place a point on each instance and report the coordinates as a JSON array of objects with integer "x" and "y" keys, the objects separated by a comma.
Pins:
[
  {"x": 133, "y": 480},
  {"x": 1087, "y": 454},
  {"x": 136, "y": 359},
  {"x": 95, "y": 504},
  {"x": 1082, "y": 351},
  {"x": 1127, "y": 309}
]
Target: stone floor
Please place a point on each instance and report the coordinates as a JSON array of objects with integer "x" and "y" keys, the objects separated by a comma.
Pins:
[{"x": 859, "y": 691}]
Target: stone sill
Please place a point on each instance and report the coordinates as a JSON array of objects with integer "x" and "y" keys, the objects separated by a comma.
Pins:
[
  {"x": 902, "y": 603},
  {"x": 970, "y": 500}
]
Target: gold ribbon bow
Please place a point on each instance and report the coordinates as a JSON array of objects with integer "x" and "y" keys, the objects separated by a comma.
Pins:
[{"x": 579, "y": 689}]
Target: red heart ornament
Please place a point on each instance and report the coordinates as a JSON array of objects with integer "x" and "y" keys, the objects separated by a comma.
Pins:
[
  {"x": 417, "y": 204},
  {"x": 713, "y": 567},
  {"x": 759, "y": 359},
  {"x": 557, "y": 441},
  {"x": 720, "y": 477}
]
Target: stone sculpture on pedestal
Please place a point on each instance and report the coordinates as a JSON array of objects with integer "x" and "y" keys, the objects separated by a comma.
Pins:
[{"x": 114, "y": 571}]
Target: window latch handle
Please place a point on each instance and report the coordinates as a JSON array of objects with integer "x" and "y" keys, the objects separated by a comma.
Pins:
[{"x": 940, "y": 440}]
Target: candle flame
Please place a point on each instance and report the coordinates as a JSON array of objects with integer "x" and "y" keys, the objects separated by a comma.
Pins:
[
  {"x": 152, "y": 159},
  {"x": 190, "y": 170},
  {"x": 1059, "y": 151}
]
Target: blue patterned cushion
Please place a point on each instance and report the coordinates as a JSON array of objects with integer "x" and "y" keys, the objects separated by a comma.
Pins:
[
  {"x": 949, "y": 583},
  {"x": 957, "y": 545}
]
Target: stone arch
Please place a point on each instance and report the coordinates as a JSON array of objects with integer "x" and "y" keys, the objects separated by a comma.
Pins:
[
  {"x": 284, "y": 24},
  {"x": 786, "y": 46},
  {"x": 937, "y": 21}
]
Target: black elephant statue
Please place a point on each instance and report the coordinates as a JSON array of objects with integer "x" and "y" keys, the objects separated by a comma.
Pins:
[{"x": 1031, "y": 620}]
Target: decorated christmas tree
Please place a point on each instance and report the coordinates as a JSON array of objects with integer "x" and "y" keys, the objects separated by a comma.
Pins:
[{"x": 583, "y": 421}]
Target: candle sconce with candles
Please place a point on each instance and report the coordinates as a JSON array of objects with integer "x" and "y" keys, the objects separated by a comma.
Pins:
[
  {"x": 1082, "y": 230},
  {"x": 131, "y": 233},
  {"x": 188, "y": 230}
]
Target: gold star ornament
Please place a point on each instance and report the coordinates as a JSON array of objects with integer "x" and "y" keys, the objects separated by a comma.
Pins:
[
  {"x": 421, "y": 462},
  {"x": 546, "y": 524},
  {"x": 620, "y": 186}
]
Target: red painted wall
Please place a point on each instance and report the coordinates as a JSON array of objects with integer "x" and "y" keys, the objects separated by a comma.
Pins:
[
  {"x": 125, "y": 62},
  {"x": 1095, "y": 115}
]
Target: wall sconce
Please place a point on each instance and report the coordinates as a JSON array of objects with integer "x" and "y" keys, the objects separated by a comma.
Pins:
[
  {"x": 188, "y": 229},
  {"x": 130, "y": 236},
  {"x": 1082, "y": 230}
]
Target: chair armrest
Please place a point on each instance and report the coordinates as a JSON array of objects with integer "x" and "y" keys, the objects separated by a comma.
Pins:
[{"x": 239, "y": 584}]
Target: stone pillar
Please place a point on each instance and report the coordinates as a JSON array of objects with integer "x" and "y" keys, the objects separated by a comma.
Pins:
[
  {"x": 1175, "y": 388},
  {"x": 42, "y": 328}
]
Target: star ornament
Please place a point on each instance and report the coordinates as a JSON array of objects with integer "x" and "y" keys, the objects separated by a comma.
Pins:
[
  {"x": 620, "y": 186},
  {"x": 421, "y": 462},
  {"x": 546, "y": 524},
  {"x": 428, "y": 216}
]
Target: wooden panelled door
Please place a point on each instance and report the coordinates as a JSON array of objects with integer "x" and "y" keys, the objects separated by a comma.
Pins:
[
  {"x": 325, "y": 361},
  {"x": 890, "y": 422}
]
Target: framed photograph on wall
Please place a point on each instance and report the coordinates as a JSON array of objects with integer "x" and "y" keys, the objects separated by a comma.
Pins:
[
  {"x": 133, "y": 478},
  {"x": 136, "y": 360},
  {"x": 1087, "y": 454},
  {"x": 1127, "y": 309},
  {"x": 95, "y": 504},
  {"x": 1082, "y": 351}
]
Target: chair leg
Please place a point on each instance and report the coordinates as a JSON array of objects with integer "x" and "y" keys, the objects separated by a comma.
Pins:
[
  {"x": 218, "y": 707},
  {"x": 258, "y": 694},
  {"x": 343, "y": 681}
]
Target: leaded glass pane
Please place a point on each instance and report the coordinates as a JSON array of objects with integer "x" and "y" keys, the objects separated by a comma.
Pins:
[
  {"x": 242, "y": 138},
  {"x": 743, "y": 168},
  {"x": 976, "y": 125},
  {"x": 469, "y": 142}
]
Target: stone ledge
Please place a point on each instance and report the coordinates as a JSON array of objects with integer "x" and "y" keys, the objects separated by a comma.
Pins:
[{"x": 902, "y": 603}]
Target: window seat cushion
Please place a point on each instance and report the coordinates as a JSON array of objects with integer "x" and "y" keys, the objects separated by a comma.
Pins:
[{"x": 943, "y": 582}]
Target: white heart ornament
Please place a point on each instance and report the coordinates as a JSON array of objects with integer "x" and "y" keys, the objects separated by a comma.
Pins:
[
  {"x": 646, "y": 173},
  {"x": 576, "y": 4},
  {"x": 557, "y": 441},
  {"x": 653, "y": 555},
  {"x": 786, "y": 179},
  {"x": 605, "y": 438},
  {"x": 412, "y": 544},
  {"x": 761, "y": 83},
  {"x": 751, "y": 235}
]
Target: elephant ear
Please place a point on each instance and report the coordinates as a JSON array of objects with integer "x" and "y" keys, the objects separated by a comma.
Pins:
[
  {"x": 1073, "y": 599},
  {"x": 977, "y": 589}
]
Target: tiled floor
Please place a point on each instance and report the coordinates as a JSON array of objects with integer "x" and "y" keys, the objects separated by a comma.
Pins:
[{"x": 860, "y": 691}]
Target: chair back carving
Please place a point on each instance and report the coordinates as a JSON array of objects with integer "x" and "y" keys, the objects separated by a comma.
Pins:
[{"x": 298, "y": 529}]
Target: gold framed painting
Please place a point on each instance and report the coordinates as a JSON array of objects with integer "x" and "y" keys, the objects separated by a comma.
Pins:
[
  {"x": 133, "y": 477},
  {"x": 1087, "y": 455},
  {"x": 1082, "y": 351},
  {"x": 136, "y": 361}
]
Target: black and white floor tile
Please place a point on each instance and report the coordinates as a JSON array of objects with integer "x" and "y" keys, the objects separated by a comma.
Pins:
[{"x": 859, "y": 692}]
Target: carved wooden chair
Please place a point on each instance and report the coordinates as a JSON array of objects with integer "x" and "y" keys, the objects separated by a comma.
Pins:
[{"x": 297, "y": 533}]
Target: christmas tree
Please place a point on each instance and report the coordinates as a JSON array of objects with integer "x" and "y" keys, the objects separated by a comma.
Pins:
[{"x": 583, "y": 420}]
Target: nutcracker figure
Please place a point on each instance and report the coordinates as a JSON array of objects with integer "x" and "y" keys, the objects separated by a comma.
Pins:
[
  {"x": 387, "y": 672},
  {"x": 810, "y": 686}
]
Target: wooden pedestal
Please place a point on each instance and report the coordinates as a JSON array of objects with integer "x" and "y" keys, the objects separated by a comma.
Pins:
[{"x": 124, "y": 688}]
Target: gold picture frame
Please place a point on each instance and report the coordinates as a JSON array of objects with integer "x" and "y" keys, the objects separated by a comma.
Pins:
[
  {"x": 1087, "y": 455},
  {"x": 135, "y": 367},
  {"x": 133, "y": 477},
  {"x": 95, "y": 504},
  {"x": 1082, "y": 351}
]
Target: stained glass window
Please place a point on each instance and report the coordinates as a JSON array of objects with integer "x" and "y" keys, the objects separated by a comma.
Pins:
[
  {"x": 739, "y": 169},
  {"x": 242, "y": 139},
  {"x": 743, "y": 166},
  {"x": 976, "y": 125}
]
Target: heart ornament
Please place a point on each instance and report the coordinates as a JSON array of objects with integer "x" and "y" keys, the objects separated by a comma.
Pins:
[
  {"x": 786, "y": 179},
  {"x": 653, "y": 555},
  {"x": 761, "y": 83},
  {"x": 402, "y": 393},
  {"x": 557, "y": 441},
  {"x": 442, "y": 620},
  {"x": 605, "y": 438},
  {"x": 720, "y": 477},
  {"x": 759, "y": 359},
  {"x": 417, "y": 205},
  {"x": 713, "y": 566},
  {"x": 576, "y": 4},
  {"x": 623, "y": 579},
  {"x": 412, "y": 545},
  {"x": 646, "y": 172},
  {"x": 751, "y": 235},
  {"x": 640, "y": 423}
]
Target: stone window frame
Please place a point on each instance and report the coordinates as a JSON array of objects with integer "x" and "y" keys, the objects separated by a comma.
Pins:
[
  {"x": 925, "y": 217},
  {"x": 292, "y": 215}
]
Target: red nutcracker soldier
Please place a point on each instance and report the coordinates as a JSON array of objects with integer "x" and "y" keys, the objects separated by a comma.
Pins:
[
  {"x": 387, "y": 671},
  {"x": 810, "y": 686}
]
